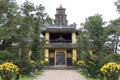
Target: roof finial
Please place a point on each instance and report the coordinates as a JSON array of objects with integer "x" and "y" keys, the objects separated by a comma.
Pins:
[{"x": 60, "y": 6}]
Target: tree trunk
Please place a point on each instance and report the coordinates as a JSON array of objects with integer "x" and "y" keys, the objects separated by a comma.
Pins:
[
  {"x": 17, "y": 77},
  {"x": 7, "y": 78}
]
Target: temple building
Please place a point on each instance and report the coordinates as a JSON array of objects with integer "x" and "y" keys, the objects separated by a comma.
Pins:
[{"x": 60, "y": 46}]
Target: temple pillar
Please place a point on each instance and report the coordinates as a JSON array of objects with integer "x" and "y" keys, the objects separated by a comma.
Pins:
[
  {"x": 47, "y": 55},
  {"x": 74, "y": 57},
  {"x": 74, "y": 38},
  {"x": 47, "y": 36}
]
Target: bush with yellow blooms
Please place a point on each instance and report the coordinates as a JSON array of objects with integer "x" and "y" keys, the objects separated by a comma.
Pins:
[
  {"x": 8, "y": 70},
  {"x": 41, "y": 62},
  {"x": 111, "y": 71},
  {"x": 80, "y": 63},
  {"x": 40, "y": 65}
]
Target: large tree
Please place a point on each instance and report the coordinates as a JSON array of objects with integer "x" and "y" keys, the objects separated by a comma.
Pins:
[
  {"x": 29, "y": 31},
  {"x": 115, "y": 25},
  {"x": 94, "y": 35},
  {"x": 117, "y": 3},
  {"x": 40, "y": 18},
  {"x": 8, "y": 22},
  {"x": 95, "y": 29},
  {"x": 20, "y": 31},
  {"x": 114, "y": 31}
]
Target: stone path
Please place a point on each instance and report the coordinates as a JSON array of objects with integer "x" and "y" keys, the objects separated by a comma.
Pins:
[{"x": 60, "y": 75}]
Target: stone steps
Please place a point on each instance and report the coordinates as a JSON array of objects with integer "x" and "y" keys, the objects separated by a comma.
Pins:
[{"x": 59, "y": 67}]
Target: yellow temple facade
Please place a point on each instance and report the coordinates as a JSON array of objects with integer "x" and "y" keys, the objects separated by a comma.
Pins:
[{"x": 60, "y": 45}]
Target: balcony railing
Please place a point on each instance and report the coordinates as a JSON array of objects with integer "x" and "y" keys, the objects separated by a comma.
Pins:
[
  {"x": 60, "y": 45},
  {"x": 60, "y": 41}
]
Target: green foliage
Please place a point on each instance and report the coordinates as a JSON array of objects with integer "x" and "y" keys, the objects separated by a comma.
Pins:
[
  {"x": 4, "y": 56},
  {"x": 27, "y": 8},
  {"x": 94, "y": 37},
  {"x": 20, "y": 30},
  {"x": 8, "y": 22},
  {"x": 115, "y": 31},
  {"x": 94, "y": 26},
  {"x": 74, "y": 63},
  {"x": 40, "y": 65},
  {"x": 82, "y": 44},
  {"x": 25, "y": 67},
  {"x": 115, "y": 57},
  {"x": 117, "y": 3}
]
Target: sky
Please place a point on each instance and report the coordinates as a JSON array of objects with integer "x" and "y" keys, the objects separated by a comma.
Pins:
[{"x": 78, "y": 10}]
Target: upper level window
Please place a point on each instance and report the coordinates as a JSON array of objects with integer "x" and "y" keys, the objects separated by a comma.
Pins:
[
  {"x": 51, "y": 51},
  {"x": 60, "y": 38},
  {"x": 69, "y": 51}
]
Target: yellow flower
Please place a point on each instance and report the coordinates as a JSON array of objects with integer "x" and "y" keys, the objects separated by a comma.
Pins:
[
  {"x": 9, "y": 67},
  {"x": 80, "y": 62},
  {"x": 41, "y": 62},
  {"x": 110, "y": 67}
]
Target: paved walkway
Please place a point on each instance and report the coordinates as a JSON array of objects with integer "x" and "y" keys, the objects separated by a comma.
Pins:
[{"x": 60, "y": 75}]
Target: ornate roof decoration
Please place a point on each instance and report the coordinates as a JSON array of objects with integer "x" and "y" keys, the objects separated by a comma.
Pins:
[
  {"x": 47, "y": 25},
  {"x": 60, "y": 23},
  {"x": 60, "y": 17}
]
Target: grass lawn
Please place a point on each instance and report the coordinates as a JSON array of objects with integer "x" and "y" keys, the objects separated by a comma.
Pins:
[
  {"x": 27, "y": 77},
  {"x": 81, "y": 73},
  {"x": 30, "y": 77},
  {"x": 87, "y": 78}
]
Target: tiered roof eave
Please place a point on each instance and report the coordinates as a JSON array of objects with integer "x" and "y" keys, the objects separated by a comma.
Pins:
[{"x": 56, "y": 29}]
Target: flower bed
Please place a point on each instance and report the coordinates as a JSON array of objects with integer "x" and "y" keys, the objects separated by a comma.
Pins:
[
  {"x": 111, "y": 71},
  {"x": 8, "y": 70}
]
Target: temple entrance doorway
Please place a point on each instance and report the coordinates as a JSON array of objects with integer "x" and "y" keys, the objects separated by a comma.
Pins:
[{"x": 60, "y": 58}]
